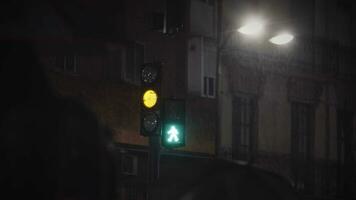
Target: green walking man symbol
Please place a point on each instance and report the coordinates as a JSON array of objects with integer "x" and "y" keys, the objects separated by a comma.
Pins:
[{"x": 173, "y": 134}]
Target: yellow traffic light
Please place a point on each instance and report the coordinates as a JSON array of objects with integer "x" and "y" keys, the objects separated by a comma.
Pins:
[{"x": 149, "y": 98}]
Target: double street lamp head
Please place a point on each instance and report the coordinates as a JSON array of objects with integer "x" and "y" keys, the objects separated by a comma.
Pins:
[{"x": 256, "y": 26}]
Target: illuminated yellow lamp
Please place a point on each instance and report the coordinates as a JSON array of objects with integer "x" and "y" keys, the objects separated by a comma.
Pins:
[{"x": 150, "y": 98}]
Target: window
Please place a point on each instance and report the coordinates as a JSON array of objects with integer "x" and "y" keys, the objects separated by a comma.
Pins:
[
  {"x": 210, "y": 2},
  {"x": 134, "y": 59},
  {"x": 208, "y": 68},
  {"x": 59, "y": 62},
  {"x": 302, "y": 135},
  {"x": 202, "y": 67},
  {"x": 129, "y": 165},
  {"x": 203, "y": 18},
  {"x": 243, "y": 137},
  {"x": 175, "y": 16},
  {"x": 344, "y": 5},
  {"x": 345, "y": 152},
  {"x": 132, "y": 191},
  {"x": 67, "y": 63},
  {"x": 70, "y": 63},
  {"x": 209, "y": 87},
  {"x": 116, "y": 59}
]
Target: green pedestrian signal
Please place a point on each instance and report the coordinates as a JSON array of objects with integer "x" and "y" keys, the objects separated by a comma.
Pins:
[
  {"x": 173, "y": 125},
  {"x": 173, "y": 135}
]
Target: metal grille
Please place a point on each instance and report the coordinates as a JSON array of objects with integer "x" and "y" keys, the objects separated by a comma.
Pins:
[{"x": 131, "y": 191}]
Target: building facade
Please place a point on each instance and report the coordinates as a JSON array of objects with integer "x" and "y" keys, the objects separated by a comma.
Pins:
[
  {"x": 99, "y": 61},
  {"x": 289, "y": 109}
]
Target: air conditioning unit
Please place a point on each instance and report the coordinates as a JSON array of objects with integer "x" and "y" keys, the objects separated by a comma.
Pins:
[{"x": 129, "y": 165}]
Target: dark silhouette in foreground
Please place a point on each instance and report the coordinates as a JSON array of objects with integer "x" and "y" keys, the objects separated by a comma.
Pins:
[{"x": 51, "y": 147}]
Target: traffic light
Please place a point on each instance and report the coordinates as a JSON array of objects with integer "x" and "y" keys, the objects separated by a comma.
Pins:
[
  {"x": 173, "y": 125},
  {"x": 150, "y": 99}
]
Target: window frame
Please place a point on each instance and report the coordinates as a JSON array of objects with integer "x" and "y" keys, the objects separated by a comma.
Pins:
[
  {"x": 302, "y": 162},
  {"x": 75, "y": 64},
  {"x": 208, "y": 86},
  {"x": 244, "y": 126},
  {"x": 132, "y": 62},
  {"x": 60, "y": 63}
]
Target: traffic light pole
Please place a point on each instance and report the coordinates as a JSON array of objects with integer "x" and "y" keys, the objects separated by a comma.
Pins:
[
  {"x": 154, "y": 157},
  {"x": 153, "y": 167}
]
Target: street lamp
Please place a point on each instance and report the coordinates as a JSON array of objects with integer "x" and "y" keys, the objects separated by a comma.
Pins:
[
  {"x": 252, "y": 27},
  {"x": 256, "y": 26},
  {"x": 281, "y": 39}
]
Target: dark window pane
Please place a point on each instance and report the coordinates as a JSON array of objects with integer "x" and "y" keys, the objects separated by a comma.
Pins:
[
  {"x": 69, "y": 63},
  {"x": 211, "y": 86},
  {"x": 205, "y": 85},
  {"x": 302, "y": 131},
  {"x": 127, "y": 164},
  {"x": 243, "y": 126},
  {"x": 139, "y": 60},
  {"x": 60, "y": 62},
  {"x": 130, "y": 62},
  {"x": 134, "y": 60},
  {"x": 115, "y": 65},
  {"x": 175, "y": 15}
]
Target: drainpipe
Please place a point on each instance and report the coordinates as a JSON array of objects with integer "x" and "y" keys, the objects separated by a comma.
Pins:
[
  {"x": 217, "y": 77},
  {"x": 327, "y": 138}
]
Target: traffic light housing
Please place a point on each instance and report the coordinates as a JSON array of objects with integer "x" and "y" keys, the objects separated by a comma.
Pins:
[
  {"x": 150, "y": 99},
  {"x": 173, "y": 125}
]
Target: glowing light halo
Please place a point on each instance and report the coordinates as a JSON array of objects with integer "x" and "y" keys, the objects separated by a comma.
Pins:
[{"x": 252, "y": 26}]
